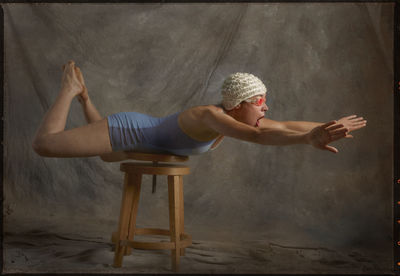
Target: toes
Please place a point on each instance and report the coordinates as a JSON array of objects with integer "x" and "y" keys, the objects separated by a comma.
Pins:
[
  {"x": 79, "y": 75},
  {"x": 70, "y": 64}
]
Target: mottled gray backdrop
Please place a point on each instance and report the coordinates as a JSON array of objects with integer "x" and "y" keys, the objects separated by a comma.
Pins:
[{"x": 319, "y": 61}]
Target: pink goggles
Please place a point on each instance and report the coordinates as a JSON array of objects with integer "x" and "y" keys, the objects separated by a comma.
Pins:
[{"x": 257, "y": 102}]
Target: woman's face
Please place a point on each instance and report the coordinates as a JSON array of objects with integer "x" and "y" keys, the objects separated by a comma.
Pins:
[{"x": 252, "y": 110}]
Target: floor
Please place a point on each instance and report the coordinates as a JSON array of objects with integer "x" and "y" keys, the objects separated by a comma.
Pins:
[{"x": 38, "y": 248}]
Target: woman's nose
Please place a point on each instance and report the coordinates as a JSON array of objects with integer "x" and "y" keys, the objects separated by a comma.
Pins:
[{"x": 265, "y": 107}]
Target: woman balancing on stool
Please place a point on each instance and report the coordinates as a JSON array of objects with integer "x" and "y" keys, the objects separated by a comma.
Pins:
[{"x": 193, "y": 131}]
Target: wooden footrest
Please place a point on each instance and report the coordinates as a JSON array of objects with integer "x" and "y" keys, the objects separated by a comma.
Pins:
[{"x": 185, "y": 239}]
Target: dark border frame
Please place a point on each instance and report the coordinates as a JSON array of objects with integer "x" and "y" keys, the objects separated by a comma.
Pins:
[
  {"x": 396, "y": 138},
  {"x": 2, "y": 129}
]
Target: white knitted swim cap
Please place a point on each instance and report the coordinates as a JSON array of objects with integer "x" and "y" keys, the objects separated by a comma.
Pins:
[{"x": 239, "y": 87}]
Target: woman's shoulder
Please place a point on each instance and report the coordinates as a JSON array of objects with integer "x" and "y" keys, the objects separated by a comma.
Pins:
[
  {"x": 198, "y": 113},
  {"x": 210, "y": 107},
  {"x": 191, "y": 121}
]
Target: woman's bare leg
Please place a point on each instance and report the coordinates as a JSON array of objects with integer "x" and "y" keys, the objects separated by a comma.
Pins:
[
  {"x": 52, "y": 140},
  {"x": 90, "y": 112}
]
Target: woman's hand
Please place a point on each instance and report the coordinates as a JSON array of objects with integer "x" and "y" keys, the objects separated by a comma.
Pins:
[
  {"x": 321, "y": 136},
  {"x": 352, "y": 123}
]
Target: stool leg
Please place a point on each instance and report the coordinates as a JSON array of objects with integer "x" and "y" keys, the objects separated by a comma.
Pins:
[
  {"x": 123, "y": 226},
  {"x": 174, "y": 219},
  {"x": 136, "y": 179},
  {"x": 181, "y": 212}
]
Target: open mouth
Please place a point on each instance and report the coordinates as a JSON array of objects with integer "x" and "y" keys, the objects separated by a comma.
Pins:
[{"x": 258, "y": 121}]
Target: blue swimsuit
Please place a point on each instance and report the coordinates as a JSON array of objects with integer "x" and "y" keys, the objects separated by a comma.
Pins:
[{"x": 132, "y": 131}]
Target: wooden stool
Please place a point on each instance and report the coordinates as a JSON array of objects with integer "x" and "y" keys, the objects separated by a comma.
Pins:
[{"x": 124, "y": 238}]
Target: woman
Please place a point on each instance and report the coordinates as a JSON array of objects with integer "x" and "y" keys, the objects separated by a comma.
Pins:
[{"x": 192, "y": 131}]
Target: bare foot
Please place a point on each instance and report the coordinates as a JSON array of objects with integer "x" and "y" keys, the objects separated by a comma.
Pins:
[
  {"x": 70, "y": 83},
  {"x": 83, "y": 96}
]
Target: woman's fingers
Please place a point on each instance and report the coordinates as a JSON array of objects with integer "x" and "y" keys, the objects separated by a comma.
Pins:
[
  {"x": 336, "y": 126},
  {"x": 326, "y": 125},
  {"x": 338, "y": 131},
  {"x": 337, "y": 137},
  {"x": 358, "y": 126},
  {"x": 331, "y": 149},
  {"x": 359, "y": 122}
]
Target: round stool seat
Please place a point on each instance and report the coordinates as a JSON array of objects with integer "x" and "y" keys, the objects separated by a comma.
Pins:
[
  {"x": 159, "y": 169},
  {"x": 155, "y": 157}
]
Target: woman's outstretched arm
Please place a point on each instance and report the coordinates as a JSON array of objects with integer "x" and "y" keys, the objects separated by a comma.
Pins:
[
  {"x": 318, "y": 137},
  {"x": 351, "y": 122}
]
